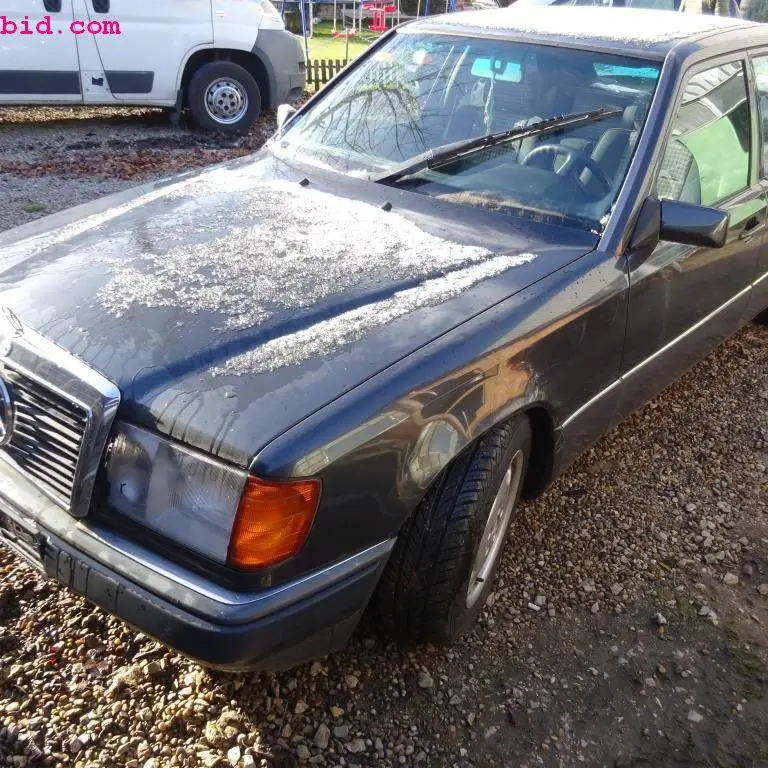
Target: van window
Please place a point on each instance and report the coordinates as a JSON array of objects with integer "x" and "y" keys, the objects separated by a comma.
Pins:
[
  {"x": 761, "y": 76},
  {"x": 707, "y": 154}
]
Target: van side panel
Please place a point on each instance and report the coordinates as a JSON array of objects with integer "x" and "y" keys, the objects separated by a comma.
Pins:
[{"x": 143, "y": 45}]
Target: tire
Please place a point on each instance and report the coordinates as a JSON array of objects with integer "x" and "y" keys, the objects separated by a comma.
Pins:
[
  {"x": 424, "y": 593},
  {"x": 762, "y": 318},
  {"x": 224, "y": 97}
]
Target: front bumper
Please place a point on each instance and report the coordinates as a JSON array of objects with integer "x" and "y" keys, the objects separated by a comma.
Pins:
[
  {"x": 270, "y": 629},
  {"x": 282, "y": 55}
]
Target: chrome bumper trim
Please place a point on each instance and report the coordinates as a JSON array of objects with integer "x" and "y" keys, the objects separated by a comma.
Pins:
[{"x": 254, "y": 605}]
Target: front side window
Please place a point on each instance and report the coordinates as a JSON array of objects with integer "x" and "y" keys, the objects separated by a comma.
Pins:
[
  {"x": 760, "y": 64},
  {"x": 421, "y": 92},
  {"x": 707, "y": 155}
]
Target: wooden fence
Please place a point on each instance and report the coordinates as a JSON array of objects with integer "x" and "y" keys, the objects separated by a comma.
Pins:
[{"x": 320, "y": 71}]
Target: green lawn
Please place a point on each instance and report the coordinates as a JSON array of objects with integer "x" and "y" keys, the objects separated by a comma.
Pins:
[{"x": 322, "y": 44}]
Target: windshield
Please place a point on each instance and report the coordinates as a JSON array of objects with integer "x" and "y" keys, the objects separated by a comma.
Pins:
[{"x": 424, "y": 91}]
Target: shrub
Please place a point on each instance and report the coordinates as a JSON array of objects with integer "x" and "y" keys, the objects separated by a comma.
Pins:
[{"x": 757, "y": 10}]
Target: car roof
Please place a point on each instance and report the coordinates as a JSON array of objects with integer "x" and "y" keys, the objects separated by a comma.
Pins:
[{"x": 628, "y": 31}]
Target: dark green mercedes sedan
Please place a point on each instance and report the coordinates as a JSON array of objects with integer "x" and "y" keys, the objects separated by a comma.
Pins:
[{"x": 240, "y": 405}]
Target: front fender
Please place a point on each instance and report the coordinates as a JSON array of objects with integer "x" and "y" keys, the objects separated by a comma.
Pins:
[{"x": 378, "y": 447}]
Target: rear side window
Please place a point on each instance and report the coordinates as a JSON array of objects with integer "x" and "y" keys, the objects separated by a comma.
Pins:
[
  {"x": 707, "y": 155},
  {"x": 761, "y": 75}
]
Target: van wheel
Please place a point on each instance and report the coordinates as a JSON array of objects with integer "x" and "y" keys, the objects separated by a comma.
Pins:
[
  {"x": 224, "y": 96},
  {"x": 445, "y": 560},
  {"x": 762, "y": 318}
]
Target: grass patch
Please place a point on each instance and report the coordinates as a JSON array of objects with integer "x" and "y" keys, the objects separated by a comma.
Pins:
[
  {"x": 748, "y": 664},
  {"x": 33, "y": 207},
  {"x": 687, "y": 611},
  {"x": 322, "y": 44}
]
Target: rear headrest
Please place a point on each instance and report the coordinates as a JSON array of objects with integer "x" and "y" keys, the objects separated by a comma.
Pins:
[
  {"x": 629, "y": 118},
  {"x": 633, "y": 115}
]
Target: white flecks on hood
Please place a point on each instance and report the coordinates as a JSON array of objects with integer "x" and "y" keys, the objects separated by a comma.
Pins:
[
  {"x": 275, "y": 249},
  {"x": 327, "y": 336},
  {"x": 631, "y": 25}
]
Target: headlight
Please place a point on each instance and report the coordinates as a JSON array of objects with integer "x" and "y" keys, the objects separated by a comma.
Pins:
[
  {"x": 180, "y": 493},
  {"x": 203, "y": 504}
]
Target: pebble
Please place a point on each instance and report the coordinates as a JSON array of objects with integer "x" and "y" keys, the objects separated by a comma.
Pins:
[
  {"x": 425, "y": 679},
  {"x": 322, "y": 736},
  {"x": 341, "y": 731},
  {"x": 695, "y": 717},
  {"x": 356, "y": 745},
  {"x": 731, "y": 579},
  {"x": 315, "y": 669}
]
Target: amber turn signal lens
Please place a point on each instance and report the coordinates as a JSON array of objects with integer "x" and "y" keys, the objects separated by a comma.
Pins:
[{"x": 273, "y": 521}]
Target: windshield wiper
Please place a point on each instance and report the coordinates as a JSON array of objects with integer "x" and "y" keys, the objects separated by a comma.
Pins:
[{"x": 433, "y": 158}]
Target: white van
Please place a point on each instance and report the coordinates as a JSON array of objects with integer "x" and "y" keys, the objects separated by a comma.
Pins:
[{"x": 224, "y": 59}]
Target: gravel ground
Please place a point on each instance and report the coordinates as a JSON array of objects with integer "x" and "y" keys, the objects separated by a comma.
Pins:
[
  {"x": 627, "y": 627},
  {"x": 54, "y": 158}
]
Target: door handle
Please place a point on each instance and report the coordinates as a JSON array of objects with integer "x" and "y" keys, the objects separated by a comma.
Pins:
[
  {"x": 752, "y": 227},
  {"x": 101, "y": 6},
  {"x": 52, "y": 6}
]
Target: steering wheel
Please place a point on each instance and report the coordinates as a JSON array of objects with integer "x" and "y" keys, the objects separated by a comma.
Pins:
[{"x": 575, "y": 161}]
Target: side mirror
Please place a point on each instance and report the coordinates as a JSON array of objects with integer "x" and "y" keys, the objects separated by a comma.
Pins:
[
  {"x": 284, "y": 113},
  {"x": 693, "y": 224},
  {"x": 676, "y": 222}
]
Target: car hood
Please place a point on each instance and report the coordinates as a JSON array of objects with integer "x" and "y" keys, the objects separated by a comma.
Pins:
[{"x": 229, "y": 304}]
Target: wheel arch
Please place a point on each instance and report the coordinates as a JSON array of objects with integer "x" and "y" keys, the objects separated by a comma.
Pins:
[
  {"x": 541, "y": 461},
  {"x": 250, "y": 61}
]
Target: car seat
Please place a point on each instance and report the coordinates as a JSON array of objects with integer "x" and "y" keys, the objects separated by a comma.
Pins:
[{"x": 679, "y": 177}]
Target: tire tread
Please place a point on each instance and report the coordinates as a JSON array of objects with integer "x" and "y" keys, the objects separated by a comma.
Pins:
[{"x": 420, "y": 582}]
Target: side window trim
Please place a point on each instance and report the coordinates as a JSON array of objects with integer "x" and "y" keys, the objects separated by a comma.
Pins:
[
  {"x": 693, "y": 69},
  {"x": 761, "y": 167}
]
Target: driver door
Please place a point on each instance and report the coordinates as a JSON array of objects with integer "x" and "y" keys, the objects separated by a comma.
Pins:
[{"x": 683, "y": 299}]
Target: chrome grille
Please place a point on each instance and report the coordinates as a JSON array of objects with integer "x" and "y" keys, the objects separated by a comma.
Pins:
[
  {"x": 61, "y": 412},
  {"x": 47, "y": 434}
]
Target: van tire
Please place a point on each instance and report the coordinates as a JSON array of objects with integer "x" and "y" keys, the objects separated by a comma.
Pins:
[
  {"x": 427, "y": 591},
  {"x": 762, "y": 318},
  {"x": 237, "y": 102}
]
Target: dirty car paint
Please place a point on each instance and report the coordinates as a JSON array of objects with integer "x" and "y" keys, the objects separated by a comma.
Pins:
[{"x": 229, "y": 304}]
